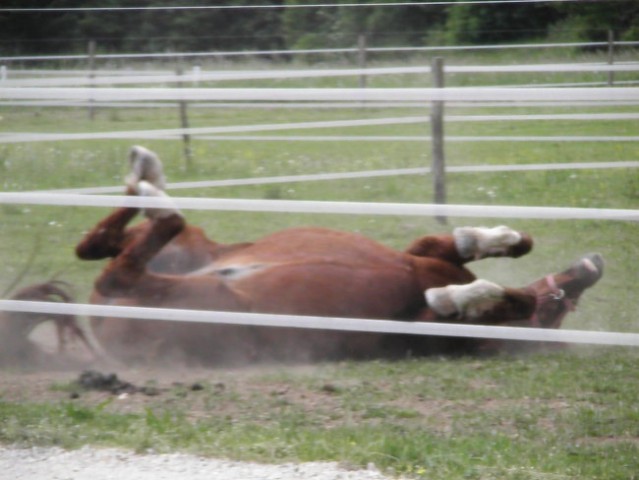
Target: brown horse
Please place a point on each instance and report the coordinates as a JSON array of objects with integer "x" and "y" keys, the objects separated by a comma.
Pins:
[
  {"x": 163, "y": 262},
  {"x": 15, "y": 328}
]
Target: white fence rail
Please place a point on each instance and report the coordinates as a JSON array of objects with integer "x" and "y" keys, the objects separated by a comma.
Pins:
[
  {"x": 327, "y": 323},
  {"x": 315, "y": 177},
  {"x": 454, "y": 94},
  {"x": 200, "y": 76},
  {"x": 221, "y": 133},
  {"x": 324, "y": 207}
]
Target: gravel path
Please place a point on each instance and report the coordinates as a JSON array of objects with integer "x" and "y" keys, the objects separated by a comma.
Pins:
[{"x": 111, "y": 464}]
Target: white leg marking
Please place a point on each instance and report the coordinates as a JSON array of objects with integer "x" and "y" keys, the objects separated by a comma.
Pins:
[
  {"x": 146, "y": 189},
  {"x": 471, "y": 300},
  {"x": 480, "y": 242}
]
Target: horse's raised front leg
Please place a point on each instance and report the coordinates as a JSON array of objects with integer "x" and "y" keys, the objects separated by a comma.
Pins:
[
  {"x": 472, "y": 243},
  {"x": 542, "y": 304},
  {"x": 557, "y": 294},
  {"x": 479, "y": 302}
]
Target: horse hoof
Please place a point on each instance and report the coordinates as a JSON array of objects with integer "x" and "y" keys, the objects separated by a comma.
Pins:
[
  {"x": 145, "y": 165},
  {"x": 589, "y": 268}
]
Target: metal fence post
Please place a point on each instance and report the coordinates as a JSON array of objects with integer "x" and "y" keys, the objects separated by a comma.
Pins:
[{"x": 438, "y": 168}]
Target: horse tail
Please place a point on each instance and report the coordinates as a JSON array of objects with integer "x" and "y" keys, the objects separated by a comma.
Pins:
[
  {"x": 56, "y": 291},
  {"x": 53, "y": 290}
]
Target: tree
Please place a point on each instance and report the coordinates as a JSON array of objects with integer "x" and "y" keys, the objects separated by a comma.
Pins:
[
  {"x": 340, "y": 26},
  {"x": 592, "y": 21},
  {"x": 38, "y": 32},
  {"x": 300, "y": 28},
  {"x": 484, "y": 24}
]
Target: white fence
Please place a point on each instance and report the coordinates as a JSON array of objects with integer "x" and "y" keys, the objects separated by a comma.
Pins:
[
  {"x": 419, "y": 95},
  {"x": 141, "y": 77},
  {"x": 453, "y": 94},
  {"x": 302, "y": 206},
  {"x": 319, "y": 177}
]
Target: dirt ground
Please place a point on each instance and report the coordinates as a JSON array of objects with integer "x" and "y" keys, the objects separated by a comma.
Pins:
[{"x": 50, "y": 377}]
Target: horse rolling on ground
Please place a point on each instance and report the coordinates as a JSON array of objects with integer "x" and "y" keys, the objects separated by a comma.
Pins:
[
  {"x": 164, "y": 262},
  {"x": 15, "y": 327}
]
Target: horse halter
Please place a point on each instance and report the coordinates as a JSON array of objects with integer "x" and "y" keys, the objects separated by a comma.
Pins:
[{"x": 555, "y": 294}]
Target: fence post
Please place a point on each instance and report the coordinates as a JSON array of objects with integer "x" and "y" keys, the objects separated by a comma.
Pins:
[
  {"x": 438, "y": 168},
  {"x": 361, "y": 58},
  {"x": 611, "y": 56},
  {"x": 91, "y": 54},
  {"x": 184, "y": 122}
]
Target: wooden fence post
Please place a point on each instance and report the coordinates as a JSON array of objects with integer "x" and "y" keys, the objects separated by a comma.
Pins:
[
  {"x": 611, "y": 56},
  {"x": 184, "y": 122},
  {"x": 361, "y": 58},
  {"x": 438, "y": 168},
  {"x": 91, "y": 53}
]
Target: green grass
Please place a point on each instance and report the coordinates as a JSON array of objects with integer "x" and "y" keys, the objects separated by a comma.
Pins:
[{"x": 562, "y": 415}]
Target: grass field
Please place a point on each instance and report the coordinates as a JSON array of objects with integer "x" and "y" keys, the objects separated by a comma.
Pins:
[{"x": 568, "y": 414}]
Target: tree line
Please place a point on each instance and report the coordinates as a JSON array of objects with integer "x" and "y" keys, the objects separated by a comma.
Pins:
[{"x": 152, "y": 30}]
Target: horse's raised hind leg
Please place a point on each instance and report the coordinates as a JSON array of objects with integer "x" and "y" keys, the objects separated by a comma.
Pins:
[
  {"x": 107, "y": 238},
  {"x": 472, "y": 243},
  {"x": 122, "y": 276},
  {"x": 127, "y": 274}
]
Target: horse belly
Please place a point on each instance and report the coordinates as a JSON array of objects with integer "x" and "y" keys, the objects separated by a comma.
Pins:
[{"x": 328, "y": 289}]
